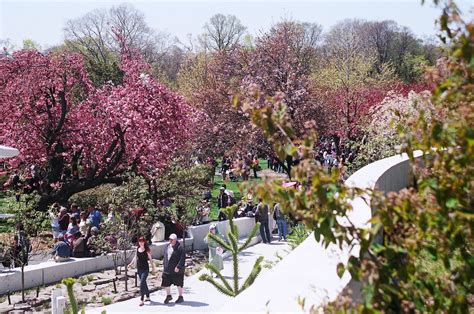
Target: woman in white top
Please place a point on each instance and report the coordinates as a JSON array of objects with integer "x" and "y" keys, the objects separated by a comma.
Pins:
[{"x": 84, "y": 223}]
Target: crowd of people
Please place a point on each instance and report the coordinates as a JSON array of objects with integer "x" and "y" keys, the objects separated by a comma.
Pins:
[
  {"x": 245, "y": 208},
  {"x": 243, "y": 165},
  {"x": 75, "y": 232}
]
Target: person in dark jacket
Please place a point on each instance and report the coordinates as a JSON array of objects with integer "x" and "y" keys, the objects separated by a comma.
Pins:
[
  {"x": 79, "y": 247},
  {"x": 222, "y": 202},
  {"x": 261, "y": 215},
  {"x": 173, "y": 268}
]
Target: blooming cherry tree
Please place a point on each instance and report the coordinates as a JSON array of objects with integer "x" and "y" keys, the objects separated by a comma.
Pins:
[{"x": 63, "y": 124}]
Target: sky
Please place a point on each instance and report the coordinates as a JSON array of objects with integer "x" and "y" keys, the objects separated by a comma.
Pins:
[{"x": 43, "y": 21}]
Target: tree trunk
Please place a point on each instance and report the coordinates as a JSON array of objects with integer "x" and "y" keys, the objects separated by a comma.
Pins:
[
  {"x": 126, "y": 269},
  {"x": 22, "y": 282},
  {"x": 67, "y": 190}
]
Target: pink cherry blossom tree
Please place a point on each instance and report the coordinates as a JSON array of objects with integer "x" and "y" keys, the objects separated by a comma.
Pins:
[{"x": 80, "y": 136}]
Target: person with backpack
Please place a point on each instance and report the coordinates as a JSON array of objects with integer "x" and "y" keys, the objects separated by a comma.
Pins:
[
  {"x": 281, "y": 222},
  {"x": 261, "y": 215}
]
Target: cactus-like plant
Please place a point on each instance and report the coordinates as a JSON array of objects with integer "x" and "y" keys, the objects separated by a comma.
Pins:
[
  {"x": 232, "y": 289},
  {"x": 69, "y": 282}
]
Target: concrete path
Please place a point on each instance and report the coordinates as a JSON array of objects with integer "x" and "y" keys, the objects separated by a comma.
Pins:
[{"x": 202, "y": 296}]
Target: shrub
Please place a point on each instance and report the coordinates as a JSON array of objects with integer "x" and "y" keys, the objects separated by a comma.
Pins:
[
  {"x": 298, "y": 235},
  {"x": 107, "y": 300}
]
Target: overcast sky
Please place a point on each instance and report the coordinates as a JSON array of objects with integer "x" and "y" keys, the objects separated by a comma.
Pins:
[{"x": 43, "y": 21}]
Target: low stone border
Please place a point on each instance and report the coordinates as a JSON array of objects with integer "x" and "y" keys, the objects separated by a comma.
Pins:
[{"x": 50, "y": 272}]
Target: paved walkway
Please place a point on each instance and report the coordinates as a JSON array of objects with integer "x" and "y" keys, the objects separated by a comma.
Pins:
[{"x": 202, "y": 296}]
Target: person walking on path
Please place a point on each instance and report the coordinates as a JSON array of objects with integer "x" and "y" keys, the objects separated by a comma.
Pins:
[
  {"x": 281, "y": 222},
  {"x": 173, "y": 268},
  {"x": 261, "y": 215},
  {"x": 215, "y": 251},
  {"x": 141, "y": 259}
]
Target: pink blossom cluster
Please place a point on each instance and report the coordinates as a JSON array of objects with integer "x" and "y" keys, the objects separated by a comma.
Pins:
[{"x": 49, "y": 110}]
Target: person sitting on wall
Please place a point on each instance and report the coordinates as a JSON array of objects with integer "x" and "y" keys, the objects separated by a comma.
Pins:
[
  {"x": 92, "y": 242},
  {"x": 203, "y": 211},
  {"x": 72, "y": 229},
  {"x": 95, "y": 217},
  {"x": 79, "y": 246},
  {"x": 63, "y": 220},
  {"x": 61, "y": 251},
  {"x": 249, "y": 207}
]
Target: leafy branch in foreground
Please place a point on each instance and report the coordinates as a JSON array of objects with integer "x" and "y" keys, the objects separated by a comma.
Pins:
[{"x": 425, "y": 261}]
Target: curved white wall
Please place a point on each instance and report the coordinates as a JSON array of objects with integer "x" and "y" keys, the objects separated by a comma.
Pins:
[{"x": 309, "y": 271}]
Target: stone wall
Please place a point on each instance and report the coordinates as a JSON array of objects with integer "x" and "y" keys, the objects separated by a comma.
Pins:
[{"x": 51, "y": 272}]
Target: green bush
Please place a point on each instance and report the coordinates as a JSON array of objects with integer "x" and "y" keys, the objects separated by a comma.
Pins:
[
  {"x": 232, "y": 287},
  {"x": 83, "y": 281},
  {"x": 107, "y": 300},
  {"x": 298, "y": 235},
  {"x": 33, "y": 221}
]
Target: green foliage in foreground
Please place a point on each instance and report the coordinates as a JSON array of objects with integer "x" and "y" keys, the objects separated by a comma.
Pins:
[
  {"x": 69, "y": 283},
  {"x": 298, "y": 235},
  {"x": 233, "y": 288},
  {"x": 432, "y": 221}
]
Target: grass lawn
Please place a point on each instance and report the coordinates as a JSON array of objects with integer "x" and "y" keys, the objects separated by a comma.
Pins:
[
  {"x": 233, "y": 186},
  {"x": 7, "y": 205}
]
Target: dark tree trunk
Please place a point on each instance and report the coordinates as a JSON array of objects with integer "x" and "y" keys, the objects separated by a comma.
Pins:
[
  {"x": 68, "y": 189},
  {"x": 22, "y": 282},
  {"x": 152, "y": 189},
  {"x": 108, "y": 174}
]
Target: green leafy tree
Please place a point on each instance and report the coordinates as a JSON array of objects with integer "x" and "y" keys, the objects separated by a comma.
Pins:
[
  {"x": 233, "y": 288},
  {"x": 183, "y": 184}
]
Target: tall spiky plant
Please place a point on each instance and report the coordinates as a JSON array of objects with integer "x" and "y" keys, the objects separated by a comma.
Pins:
[
  {"x": 232, "y": 288},
  {"x": 69, "y": 282}
]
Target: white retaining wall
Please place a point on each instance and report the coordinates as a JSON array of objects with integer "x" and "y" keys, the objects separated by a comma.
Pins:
[
  {"x": 51, "y": 272},
  {"x": 309, "y": 271}
]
